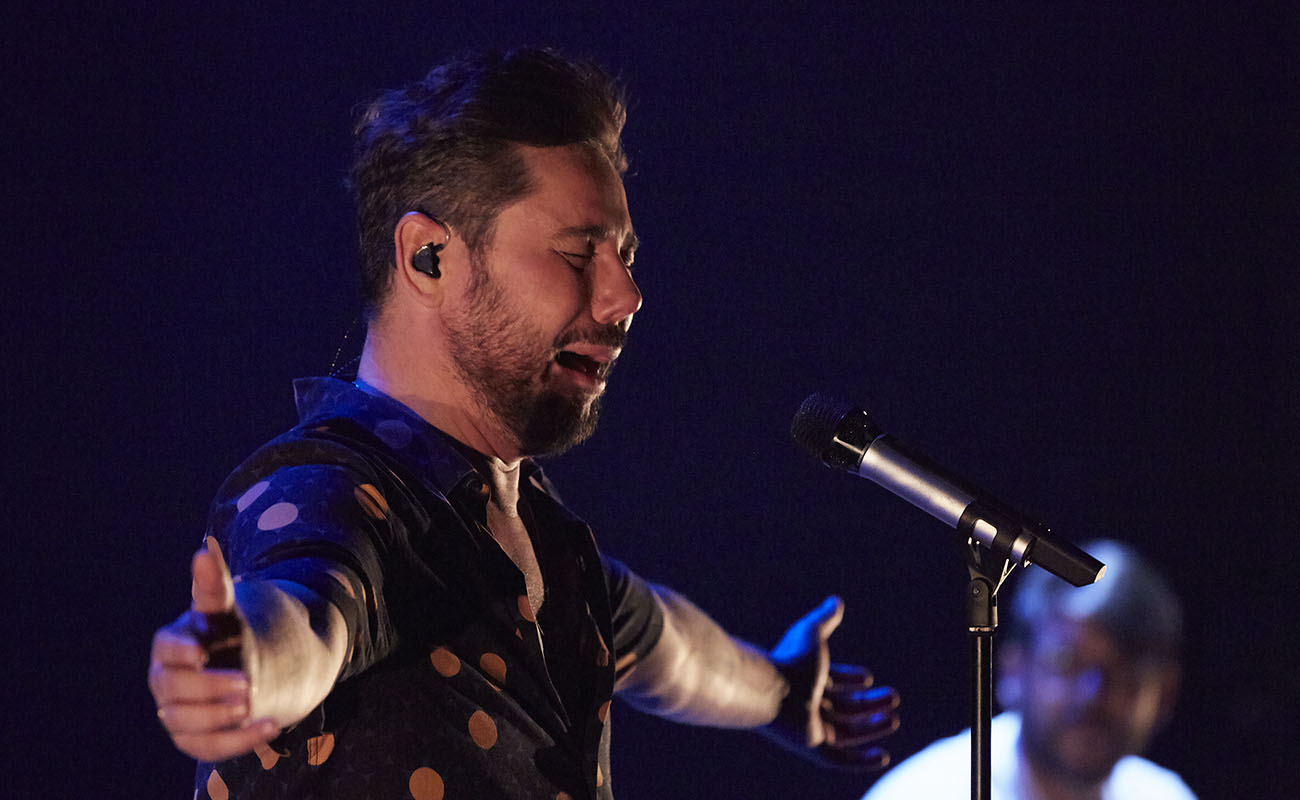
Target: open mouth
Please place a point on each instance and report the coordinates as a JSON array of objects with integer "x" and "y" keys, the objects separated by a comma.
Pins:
[{"x": 580, "y": 363}]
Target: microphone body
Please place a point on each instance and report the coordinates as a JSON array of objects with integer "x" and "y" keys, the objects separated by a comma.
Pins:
[{"x": 846, "y": 438}]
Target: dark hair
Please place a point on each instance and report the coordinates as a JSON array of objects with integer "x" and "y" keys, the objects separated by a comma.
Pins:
[
  {"x": 1132, "y": 602},
  {"x": 447, "y": 145}
]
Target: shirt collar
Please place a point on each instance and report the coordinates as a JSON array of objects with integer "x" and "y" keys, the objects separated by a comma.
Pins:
[{"x": 446, "y": 462}]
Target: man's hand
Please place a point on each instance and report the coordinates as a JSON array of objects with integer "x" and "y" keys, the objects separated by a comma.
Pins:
[
  {"x": 198, "y": 672},
  {"x": 832, "y": 712}
]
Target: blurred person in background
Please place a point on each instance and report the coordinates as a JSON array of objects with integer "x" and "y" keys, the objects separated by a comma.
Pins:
[{"x": 1087, "y": 676}]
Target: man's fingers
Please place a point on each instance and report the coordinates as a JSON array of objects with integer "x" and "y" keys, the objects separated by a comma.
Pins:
[
  {"x": 844, "y": 700},
  {"x": 212, "y": 589},
  {"x": 220, "y": 745},
  {"x": 185, "y": 686},
  {"x": 175, "y": 647},
  {"x": 850, "y": 676},
  {"x": 197, "y": 718},
  {"x": 855, "y": 730},
  {"x": 853, "y": 758},
  {"x": 853, "y": 718}
]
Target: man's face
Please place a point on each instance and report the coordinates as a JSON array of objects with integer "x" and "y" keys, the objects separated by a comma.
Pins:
[
  {"x": 551, "y": 300},
  {"x": 1086, "y": 703}
]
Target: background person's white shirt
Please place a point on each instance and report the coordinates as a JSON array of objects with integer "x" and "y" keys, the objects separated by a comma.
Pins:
[{"x": 942, "y": 772}]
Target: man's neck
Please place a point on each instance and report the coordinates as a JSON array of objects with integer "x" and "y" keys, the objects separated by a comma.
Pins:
[
  {"x": 432, "y": 390},
  {"x": 1035, "y": 784}
]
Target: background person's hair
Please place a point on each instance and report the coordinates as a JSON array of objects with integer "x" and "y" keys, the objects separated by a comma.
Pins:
[
  {"x": 1133, "y": 603},
  {"x": 446, "y": 145}
]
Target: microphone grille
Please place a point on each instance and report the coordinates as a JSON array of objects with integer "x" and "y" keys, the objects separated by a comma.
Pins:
[{"x": 815, "y": 423}]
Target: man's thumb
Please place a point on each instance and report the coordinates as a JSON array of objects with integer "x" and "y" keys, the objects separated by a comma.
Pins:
[
  {"x": 212, "y": 589},
  {"x": 827, "y": 616}
]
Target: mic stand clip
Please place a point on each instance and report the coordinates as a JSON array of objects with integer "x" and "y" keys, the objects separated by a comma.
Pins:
[{"x": 987, "y": 574}]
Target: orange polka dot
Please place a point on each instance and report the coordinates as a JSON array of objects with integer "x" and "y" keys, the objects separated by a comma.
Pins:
[
  {"x": 495, "y": 667},
  {"x": 371, "y": 501},
  {"x": 266, "y": 755},
  {"x": 482, "y": 729},
  {"x": 445, "y": 662},
  {"x": 603, "y": 713},
  {"x": 319, "y": 749},
  {"x": 562, "y": 796},
  {"x": 217, "y": 789},
  {"x": 600, "y": 776},
  {"x": 526, "y": 609},
  {"x": 425, "y": 784},
  {"x": 277, "y": 516},
  {"x": 255, "y": 491}
]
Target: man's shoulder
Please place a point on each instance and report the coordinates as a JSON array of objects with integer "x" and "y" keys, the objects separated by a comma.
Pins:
[
  {"x": 304, "y": 449},
  {"x": 941, "y": 769},
  {"x": 343, "y": 426},
  {"x": 1139, "y": 779}
]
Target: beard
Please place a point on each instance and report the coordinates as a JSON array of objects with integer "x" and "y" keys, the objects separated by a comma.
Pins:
[
  {"x": 1081, "y": 752},
  {"x": 506, "y": 363}
]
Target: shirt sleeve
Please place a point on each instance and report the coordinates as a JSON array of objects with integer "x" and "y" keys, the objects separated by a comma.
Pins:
[
  {"x": 318, "y": 531},
  {"x": 638, "y": 620}
]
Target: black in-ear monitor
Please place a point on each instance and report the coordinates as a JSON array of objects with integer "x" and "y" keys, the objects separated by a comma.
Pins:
[{"x": 426, "y": 260}]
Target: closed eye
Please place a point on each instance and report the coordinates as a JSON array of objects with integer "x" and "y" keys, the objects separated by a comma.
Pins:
[{"x": 577, "y": 260}]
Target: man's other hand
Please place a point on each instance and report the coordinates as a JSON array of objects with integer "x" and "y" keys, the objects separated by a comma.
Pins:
[
  {"x": 833, "y": 713},
  {"x": 198, "y": 672}
]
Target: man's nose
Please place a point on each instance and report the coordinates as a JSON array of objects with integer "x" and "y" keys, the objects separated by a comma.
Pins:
[
  {"x": 1098, "y": 684},
  {"x": 614, "y": 294}
]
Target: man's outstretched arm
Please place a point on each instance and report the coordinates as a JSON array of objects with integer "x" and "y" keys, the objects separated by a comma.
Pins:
[
  {"x": 284, "y": 665},
  {"x": 699, "y": 674}
]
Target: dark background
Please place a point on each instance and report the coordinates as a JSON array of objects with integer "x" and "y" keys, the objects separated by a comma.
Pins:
[{"x": 1051, "y": 245}]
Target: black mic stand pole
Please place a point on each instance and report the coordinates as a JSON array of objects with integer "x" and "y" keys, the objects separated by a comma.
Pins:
[{"x": 987, "y": 573}]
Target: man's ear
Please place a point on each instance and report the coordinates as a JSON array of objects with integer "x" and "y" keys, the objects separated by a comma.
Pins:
[
  {"x": 1011, "y": 675},
  {"x": 423, "y": 252}
]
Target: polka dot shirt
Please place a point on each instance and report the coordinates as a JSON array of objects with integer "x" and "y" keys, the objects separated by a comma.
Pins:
[{"x": 447, "y": 690}]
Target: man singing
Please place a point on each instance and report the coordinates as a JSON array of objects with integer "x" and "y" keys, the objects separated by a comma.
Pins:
[{"x": 391, "y": 600}]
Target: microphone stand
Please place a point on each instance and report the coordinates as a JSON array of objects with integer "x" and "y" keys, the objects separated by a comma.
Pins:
[{"x": 987, "y": 574}]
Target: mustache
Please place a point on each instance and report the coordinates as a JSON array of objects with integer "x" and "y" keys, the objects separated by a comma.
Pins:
[
  {"x": 605, "y": 335},
  {"x": 1096, "y": 718}
]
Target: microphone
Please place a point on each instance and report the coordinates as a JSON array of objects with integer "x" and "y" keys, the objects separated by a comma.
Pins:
[{"x": 846, "y": 438}]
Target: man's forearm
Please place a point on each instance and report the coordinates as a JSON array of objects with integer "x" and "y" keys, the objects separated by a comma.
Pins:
[{"x": 697, "y": 673}]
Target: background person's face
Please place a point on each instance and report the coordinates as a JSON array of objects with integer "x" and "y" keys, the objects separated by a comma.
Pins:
[{"x": 1086, "y": 703}]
